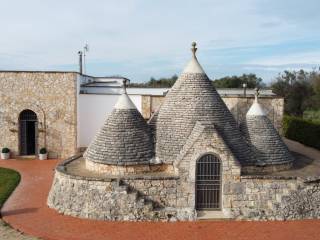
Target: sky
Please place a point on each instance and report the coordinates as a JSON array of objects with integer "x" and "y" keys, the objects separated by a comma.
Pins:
[{"x": 139, "y": 39}]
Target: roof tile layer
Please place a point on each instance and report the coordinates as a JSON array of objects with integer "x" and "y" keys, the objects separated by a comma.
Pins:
[
  {"x": 193, "y": 98},
  {"x": 124, "y": 139},
  {"x": 266, "y": 141}
]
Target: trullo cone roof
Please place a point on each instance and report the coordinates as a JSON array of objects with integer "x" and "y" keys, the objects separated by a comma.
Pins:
[
  {"x": 124, "y": 139},
  {"x": 193, "y": 98},
  {"x": 264, "y": 138}
]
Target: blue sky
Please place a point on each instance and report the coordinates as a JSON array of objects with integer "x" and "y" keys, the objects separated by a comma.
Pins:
[{"x": 140, "y": 38}]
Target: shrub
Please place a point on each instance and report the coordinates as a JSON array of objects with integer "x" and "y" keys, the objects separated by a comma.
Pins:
[
  {"x": 43, "y": 151},
  {"x": 304, "y": 131},
  {"x": 5, "y": 150}
]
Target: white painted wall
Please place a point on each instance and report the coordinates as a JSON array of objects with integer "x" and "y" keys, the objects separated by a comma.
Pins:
[{"x": 92, "y": 113}]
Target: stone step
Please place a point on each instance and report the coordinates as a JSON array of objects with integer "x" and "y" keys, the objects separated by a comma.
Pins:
[
  {"x": 211, "y": 215},
  {"x": 134, "y": 195}
]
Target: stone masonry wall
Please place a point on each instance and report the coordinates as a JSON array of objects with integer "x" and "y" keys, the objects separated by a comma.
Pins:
[
  {"x": 52, "y": 96},
  {"x": 171, "y": 198},
  {"x": 131, "y": 199},
  {"x": 205, "y": 140},
  {"x": 238, "y": 106},
  {"x": 272, "y": 198}
]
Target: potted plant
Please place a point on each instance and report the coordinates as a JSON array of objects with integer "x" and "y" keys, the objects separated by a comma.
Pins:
[
  {"x": 43, "y": 154},
  {"x": 5, "y": 153}
]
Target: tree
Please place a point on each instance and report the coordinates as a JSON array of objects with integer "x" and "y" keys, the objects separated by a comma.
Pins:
[
  {"x": 299, "y": 89},
  {"x": 251, "y": 80},
  {"x": 157, "y": 83}
]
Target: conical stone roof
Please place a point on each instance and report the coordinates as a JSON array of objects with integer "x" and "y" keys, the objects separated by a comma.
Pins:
[
  {"x": 193, "y": 98},
  {"x": 124, "y": 139},
  {"x": 264, "y": 138}
]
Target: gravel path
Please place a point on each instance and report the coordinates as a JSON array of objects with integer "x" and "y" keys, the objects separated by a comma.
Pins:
[{"x": 8, "y": 233}]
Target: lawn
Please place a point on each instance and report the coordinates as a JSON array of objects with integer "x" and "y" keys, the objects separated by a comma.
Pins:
[{"x": 9, "y": 179}]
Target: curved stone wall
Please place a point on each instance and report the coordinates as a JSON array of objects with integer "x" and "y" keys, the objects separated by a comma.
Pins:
[
  {"x": 165, "y": 197},
  {"x": 130, "y": 199},
  {"x": 121, "y": 170}
]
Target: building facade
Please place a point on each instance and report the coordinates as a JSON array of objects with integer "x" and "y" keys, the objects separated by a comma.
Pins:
[
  {"x": 190, "y": 160},
  {"x": 39, "y": 109},
  {"x": 62, "y": 111}
]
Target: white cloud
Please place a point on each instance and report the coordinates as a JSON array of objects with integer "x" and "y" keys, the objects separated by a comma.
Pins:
[
  {"x": 289, "y": 59},
  {"x": 152, "y": 37}
]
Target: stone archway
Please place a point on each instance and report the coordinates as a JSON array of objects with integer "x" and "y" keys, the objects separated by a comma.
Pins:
[
  {"x": 208, "y": 183},
  {"x": 28, "y": 135}
]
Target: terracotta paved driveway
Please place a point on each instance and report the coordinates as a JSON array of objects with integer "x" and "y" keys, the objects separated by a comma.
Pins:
[{"x": 26, "y": 210}]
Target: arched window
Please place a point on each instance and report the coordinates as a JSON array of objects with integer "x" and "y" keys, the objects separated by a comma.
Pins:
[
  {"x": 27, "y": 132},
  {"x": 208, "y": 183}
]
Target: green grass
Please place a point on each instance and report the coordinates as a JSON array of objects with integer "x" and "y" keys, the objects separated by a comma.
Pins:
[{"x": 9, "y": 179}]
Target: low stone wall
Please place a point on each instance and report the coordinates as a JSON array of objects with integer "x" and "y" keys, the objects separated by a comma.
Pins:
[
  {"x": 122, "y": 170},
  {"x": 273, "y": 198},
  {"x": 161, "y": 197},
  {"x": 131, "y": 199}
]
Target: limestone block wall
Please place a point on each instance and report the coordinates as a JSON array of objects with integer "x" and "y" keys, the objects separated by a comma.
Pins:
[
  {"x": 103, "y": 200},
  {"x": 238, "y": 105},
  {"x": 129, "y": 199},
  {"x": 207, "y": 141},
  {"x": 52, "y": 96},
  {"x": 171, "y": 198},
  {"x": 150, "y": 104},
  {"x": 272, "y": 198},
  {"x": 274, "y": 107}
]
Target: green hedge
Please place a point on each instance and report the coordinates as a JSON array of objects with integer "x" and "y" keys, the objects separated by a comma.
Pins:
[{"x": 304, "y": 131}]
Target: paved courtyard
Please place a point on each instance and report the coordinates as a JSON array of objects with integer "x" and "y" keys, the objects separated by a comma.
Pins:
[{"x": 26, "y": 211}]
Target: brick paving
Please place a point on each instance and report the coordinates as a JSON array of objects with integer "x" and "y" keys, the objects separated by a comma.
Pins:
[{"x": 26, "y": 211}]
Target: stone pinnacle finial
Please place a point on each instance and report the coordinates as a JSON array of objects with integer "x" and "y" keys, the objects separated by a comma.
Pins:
[
  {"x": 256, "y": 95},
  {"x": 194, "y": 49},
  {"x": 125, "y": 85}
]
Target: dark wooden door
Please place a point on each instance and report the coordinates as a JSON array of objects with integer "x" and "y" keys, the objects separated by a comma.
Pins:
[{"x": 27, "y": 132}]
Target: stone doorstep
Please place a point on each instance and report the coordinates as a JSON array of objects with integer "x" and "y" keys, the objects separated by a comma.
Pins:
[
  {"x": 211, "y": 215},
  {"x": 22, "y": 157}
]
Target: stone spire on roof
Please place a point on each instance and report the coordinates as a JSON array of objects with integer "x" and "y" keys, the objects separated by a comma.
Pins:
[
  {"x": 193, "y": 98},
  {"x": 193, "y": 66},
  {"x": 264, "y": 138},
  {"x": 124, "y": 139},
  {"x": 124, "y": 102},
  {"x": 256, "y": 109}
]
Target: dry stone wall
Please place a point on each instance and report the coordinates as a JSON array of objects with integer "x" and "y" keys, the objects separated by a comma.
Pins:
[
  {"x": 272, "y": 198},
  {"x": 52, "y": 96},
  {"x": 130, "y": 199},
  {"x": 172, "y": 198}
]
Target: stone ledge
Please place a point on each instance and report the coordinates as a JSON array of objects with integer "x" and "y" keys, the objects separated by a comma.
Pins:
[
  {"x": 268, "y": 177},
  {"x": 62, "y": 169}
]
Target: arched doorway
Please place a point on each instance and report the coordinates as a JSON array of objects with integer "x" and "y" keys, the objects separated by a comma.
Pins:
[
  {"x": 208, "y": 183},
  {"x": 28, "y": 132}
]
